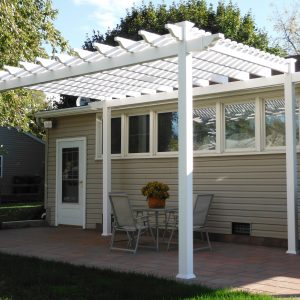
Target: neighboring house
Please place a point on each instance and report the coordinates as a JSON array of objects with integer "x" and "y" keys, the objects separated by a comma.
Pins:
[
  {"x": 228, "y": 105},
  {"x": 21, "y": 165}
]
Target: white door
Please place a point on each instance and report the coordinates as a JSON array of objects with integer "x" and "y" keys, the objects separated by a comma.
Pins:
[{"x": 70, "y": 181}]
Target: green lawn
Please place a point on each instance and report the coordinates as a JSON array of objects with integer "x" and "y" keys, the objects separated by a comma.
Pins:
[
  {"x": 20, "y": 211},
  {"x": 23, "y": 278}
]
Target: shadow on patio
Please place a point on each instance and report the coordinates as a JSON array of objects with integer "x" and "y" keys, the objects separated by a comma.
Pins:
[{"x": 252, "y": 268}]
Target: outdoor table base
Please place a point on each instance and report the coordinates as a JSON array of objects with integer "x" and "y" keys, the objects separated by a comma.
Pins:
[{"x": 156, "y": 212}]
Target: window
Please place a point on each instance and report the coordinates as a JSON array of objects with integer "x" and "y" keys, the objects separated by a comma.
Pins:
[
  {"x": 138, "y": 134},
  {"x": 116, "y": 132},
  {"x": 167, "y": 132},
  {"x": 1, "y": 165},
  {"x": 240, "y": 126},
  {"x": 275, "y": 123},
  {"x": 204, "y": 128},
  {"x": 256, "y": 125}
]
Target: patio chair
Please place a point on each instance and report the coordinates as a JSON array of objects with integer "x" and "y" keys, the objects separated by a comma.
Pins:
[
  {"x": 126, "y": 222},
  {"x": 200, "y": 214}
]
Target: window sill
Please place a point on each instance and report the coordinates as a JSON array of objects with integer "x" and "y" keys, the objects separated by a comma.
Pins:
[{"x": 198, "y": 154}]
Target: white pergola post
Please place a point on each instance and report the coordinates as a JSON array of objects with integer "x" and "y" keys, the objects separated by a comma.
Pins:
[
  {"x": 291, "y": 163},
  {"x": 106, "y": 168},
  {"x": 185, "y": 114}
]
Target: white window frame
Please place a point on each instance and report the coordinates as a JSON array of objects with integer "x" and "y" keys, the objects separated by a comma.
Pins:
[
  {"x": 200, "y": 152},
  {"x": 270, "y": 149},
  {"x": 238, "y": 150},
  {"x": 219, "y": 104},
  {"x": 220, "y": 139},
  {"x": 142, "y": 154},
  {"x": 259, "y": 121},
  {"x": 121, "y": 154},
  {"x": 162, "y": 153},
  {"x": 1, "y": 166}
]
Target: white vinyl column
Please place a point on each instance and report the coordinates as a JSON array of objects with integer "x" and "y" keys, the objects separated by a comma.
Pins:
[
  {"x": 185, "y": 118},
  {"x": 291, "y": 162},
  {"x": 106, "y": 168}
]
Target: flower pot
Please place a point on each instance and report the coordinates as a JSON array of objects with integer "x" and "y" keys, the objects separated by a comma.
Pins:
[{"x": 156, "y": 202}]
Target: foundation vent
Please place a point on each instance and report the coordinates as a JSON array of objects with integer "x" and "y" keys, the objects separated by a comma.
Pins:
[{"x": 241, "y": 228}]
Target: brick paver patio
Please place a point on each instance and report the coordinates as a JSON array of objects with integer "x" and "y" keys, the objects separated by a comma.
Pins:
[{"x": 252, "y": 268}]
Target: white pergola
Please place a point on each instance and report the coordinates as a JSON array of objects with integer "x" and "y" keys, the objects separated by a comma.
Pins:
[{"x": 183, "y": 63}]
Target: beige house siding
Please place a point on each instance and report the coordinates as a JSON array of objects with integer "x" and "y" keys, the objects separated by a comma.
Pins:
[{"x": 247, "y": 188}]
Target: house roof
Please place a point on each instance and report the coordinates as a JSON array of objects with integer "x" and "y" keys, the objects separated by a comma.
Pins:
[
  {"x": 28, "y": 134},
  {"x": 146, "y": 67}
]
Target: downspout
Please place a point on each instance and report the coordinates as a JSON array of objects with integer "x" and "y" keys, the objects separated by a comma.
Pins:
[{"x": 46, "y": 175}]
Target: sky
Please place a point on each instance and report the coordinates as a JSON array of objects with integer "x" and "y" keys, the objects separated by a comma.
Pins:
[{"x": 77, "y": 18}]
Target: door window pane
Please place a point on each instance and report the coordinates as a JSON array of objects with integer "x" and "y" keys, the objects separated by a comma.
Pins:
[
  {"x": 204, "y": 128},
  {"x": 116, "y": 135},
  {"x": 167, "y": 132},
  {"x": 138, "y": 134},
  {"x": 70, "y": 175},
  {"x": 240, "y": 126}
]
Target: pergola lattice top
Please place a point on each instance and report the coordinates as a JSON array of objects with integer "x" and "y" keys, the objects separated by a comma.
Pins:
[{"x": 149, "y": 66}]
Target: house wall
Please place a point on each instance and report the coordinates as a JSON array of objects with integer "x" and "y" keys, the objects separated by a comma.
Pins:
[
  {"x": 68, "y": 127},
  {"x": 24, "y": 156},
  {"x": 247, "y": 188}
]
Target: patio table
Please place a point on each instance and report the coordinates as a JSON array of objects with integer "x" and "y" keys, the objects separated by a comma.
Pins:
[{"x": 156, "y": 212}]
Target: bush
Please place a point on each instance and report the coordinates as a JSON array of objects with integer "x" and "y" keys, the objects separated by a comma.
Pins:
[{"x": 20, "y": 212}]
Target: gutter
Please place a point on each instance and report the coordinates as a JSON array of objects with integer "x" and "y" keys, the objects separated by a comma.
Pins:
[{"x": 65, "y": 112}]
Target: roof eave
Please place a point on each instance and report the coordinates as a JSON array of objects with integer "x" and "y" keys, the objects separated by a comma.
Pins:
[{"x": 65, "y": 112}]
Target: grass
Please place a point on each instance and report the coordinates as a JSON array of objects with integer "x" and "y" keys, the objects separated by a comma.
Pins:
[
  {"x": 26, "y": 278},
  {"x": 20, "y": 211}
]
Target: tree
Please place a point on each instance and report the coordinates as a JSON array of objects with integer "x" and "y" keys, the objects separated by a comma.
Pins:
[
  {"x": 17, "y": 109},
  {"x": 65, "y": 101},
  {"x": 287, "y": 26},
  {"x": 25, "y": 26},
  {"x": 226, "y": 19}
]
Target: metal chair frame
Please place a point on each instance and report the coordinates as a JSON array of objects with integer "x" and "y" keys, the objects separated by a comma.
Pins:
[
  {"x": 134, "y": 227},
  {"x": 200, "y": 215}
]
